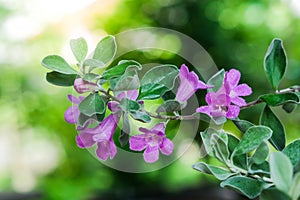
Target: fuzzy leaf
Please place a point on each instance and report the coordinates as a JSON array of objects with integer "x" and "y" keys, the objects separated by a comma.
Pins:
[
  {"x": 293, "y": 151},
  {"x": 216, "y": 80},
  {"x": 275, "y": 62},
  {"x": 253, "y": 137},
  {"x": 242, "y": 125},
  {"x": 263, "y": 168},
  {"x": 92, "y": 104},
  {"x": 247, "y": 186},
  {"x": 219, "y": 142},
  {"x": 60, "y": 79},
  {"x": 240, "y": 160},
  {"x": 280, "y": 99},
  {"x": 268, "y": 118},
  {"x": 129, "y": 81},
  {"x": 260, "y": 154},
  {"x": 90, "y": 77},
  {"x": 281, "y": 170},
  {"x": 140, "y": 116},
  {"x": 120, "y": 69},
  {"x": 83, "y": 118},
  {"x": 289, "y": 107},
  {"x": 295, "y": 188},
  {"x": 92, "y": 63},
  {"x": 219, "y": 172},
  {"x": 128, "y": 105},
  {"x": 58, "y": 64},
  {"x": 273, "y": 194},
  {"x": 79, "y": 48},
  {"x": 205, "y": 136},
  {"x": 157, "y": 81},
  {"x": 169, "y": 106},
  {"x": 106, "y": 49}
]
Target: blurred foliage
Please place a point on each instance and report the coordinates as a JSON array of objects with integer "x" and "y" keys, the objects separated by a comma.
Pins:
[{"x": 235, "y": 33}]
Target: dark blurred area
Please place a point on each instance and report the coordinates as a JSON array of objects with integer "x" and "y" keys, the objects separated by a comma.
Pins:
[{"x": 39, "y": 158}]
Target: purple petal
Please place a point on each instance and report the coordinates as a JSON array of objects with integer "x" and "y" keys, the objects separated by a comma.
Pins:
[
  {"x": 202, "y": 85},
  {"x": 185, "y": 91},
  {"x": 73, "y": 99},
  {"x": 208, "y": 97},
  {"x": 105, "y": 149},
  {"x": 184, "y": 71},
  {"x": 204, "y": 109},
  {"x": 113, "y": 149},
  {"x": 151, "y": 154},
  {"x": 71, "y": 115},
  {"x": 105, "y": 129},
  {"x": 132, "y": 94},
  {"x": 81, "y": 99},
  {"x": 113, "y": 106},
  {"x": 166, "y": 147},
  {"x": 160, "y": 127},
  {"x": 232, "y": 77},
  {"x": 90, "y": 130},
  {"x": 189, "y": 84},
  {"x": 242, "y": 90},
  {"x": 85, "y": 140},
  {"x": 145, "y": 130},
  {"x": 238, "y": 101},
  {"x": 137, "y": 143},
  {"x": 109, "y": 125},
  {"x": 217, "y": 99},
  {"x": 233, "y": 112},
  {"x": 120, "y": 95}
]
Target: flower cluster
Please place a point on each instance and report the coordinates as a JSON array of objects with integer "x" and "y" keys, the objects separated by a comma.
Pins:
[{"x": 225, "y": 102}]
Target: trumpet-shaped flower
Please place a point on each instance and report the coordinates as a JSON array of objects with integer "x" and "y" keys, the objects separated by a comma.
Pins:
[
  {"x": 233, "y": 90},
  {"x": 189, "y": 84},
  {"x": 153, "y": 140},
  {"x": 219, "y": 105},
  {"x": 72, "y": 113},
  {"x": 102, "y": 135}
]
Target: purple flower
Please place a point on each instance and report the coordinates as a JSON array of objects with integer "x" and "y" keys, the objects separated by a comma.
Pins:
[
  {"x": 82, "y": 86},
  {"x": 234, "y": 90},
  {"x": 152, "y": 140},
  {"x": 219, "y": 105},
  {"x": 72, "y": 113},
  {"x": 102, "y": 135},
  {"x": 189, "y": 84}
]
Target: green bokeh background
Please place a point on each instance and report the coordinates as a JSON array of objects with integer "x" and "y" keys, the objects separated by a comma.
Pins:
[{"x": 38, "y": 150}]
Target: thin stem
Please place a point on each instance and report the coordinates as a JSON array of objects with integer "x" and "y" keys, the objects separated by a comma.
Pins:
[
  {"x": 283, "y": 91},
  {"x": 253, "y": 103},
  {"x": 288, "y": 90}
]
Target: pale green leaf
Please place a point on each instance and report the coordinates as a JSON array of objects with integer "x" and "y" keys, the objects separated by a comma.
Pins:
[
  {"x": 219, "y": 172},
  {"x": 79, "y": 48},
  {"x": 253, "y": 137},
  {"x": 106, "y": 49},
  {"x": 58, "y": 64},
  {"x": 281, "y": 170}
]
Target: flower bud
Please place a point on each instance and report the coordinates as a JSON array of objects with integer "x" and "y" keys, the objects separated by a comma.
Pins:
[{"x": 82, "y": 86}]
